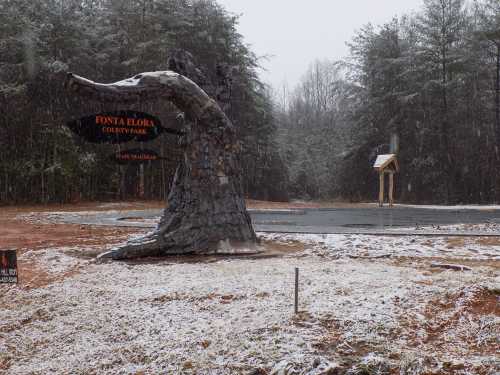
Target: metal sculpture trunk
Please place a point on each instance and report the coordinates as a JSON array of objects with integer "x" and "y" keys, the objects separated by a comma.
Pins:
[{"x": 206, "y": 204}]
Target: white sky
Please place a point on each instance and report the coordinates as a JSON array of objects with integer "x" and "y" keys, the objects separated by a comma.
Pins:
[{"x": 297, "y": 32}]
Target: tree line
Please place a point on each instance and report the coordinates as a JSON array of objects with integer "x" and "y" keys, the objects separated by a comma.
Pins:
[
  {"x": 107, "y": 41},
  {"x": 425, "y": 85},
  {"x": 428, "y": 83}
]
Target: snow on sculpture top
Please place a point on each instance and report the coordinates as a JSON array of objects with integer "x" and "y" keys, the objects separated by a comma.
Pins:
[{"x": 384, "y": 161}]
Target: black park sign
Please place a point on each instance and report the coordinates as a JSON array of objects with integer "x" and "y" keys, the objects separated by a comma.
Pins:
[{"x": 119, "y": 127}]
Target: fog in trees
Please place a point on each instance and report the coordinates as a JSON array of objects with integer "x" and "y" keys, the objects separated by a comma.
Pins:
[
  {"x": 430, "y": 79},
  {"x": 108, "y": 40}
]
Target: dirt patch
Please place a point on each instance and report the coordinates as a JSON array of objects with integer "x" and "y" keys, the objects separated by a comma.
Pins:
[
  {"x": 455, "y": 315},
  {"x": 461, "y": 323},
  {"x": 288, "y": 247},
  {"x": 255, "y": 204},
  {"x": 488, "y": 241},
  {"x": 454, "y": 242},
  {"x": 485, "y": 302},
  {"x": 16, "y": 234},
  {"x": 22, "y": 235},
  {"x": 84, "y": 206},
  {"x": 267, "y": 249},
  {"x": 458, "y": 242},
  {"x": 216, "y": 297},
  {"x": 339, "y": 343},
  {"x": 143, "y": 205},
  {"x": 25, "y": 237},
  {"x": 424, "y": 263},
  {"x": 33, "y": 275}
]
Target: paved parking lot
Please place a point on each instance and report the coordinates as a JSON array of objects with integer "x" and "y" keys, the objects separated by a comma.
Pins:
[{"x": 397, "y": 220}]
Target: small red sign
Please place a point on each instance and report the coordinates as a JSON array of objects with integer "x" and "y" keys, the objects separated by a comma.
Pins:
[
  {"x": 136, "y": 156},
  {"x": 8, "y": 266}
]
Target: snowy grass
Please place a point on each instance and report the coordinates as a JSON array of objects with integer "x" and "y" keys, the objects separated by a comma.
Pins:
[
  {"x": 54, "y": 260},
  {"x": 456, "y": 207},
  {"x": 231, "y": 316},
  {"x": 341, "y": 245}
]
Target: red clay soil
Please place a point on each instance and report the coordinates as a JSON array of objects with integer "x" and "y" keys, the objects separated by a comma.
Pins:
[
  {"x": 142, "y": 205},
  {"x": 16, "y": 233},
  {"x": 82, "y": 206},
  {"x": 255, "y": 204},
  {"x": 444, "y": 314}
]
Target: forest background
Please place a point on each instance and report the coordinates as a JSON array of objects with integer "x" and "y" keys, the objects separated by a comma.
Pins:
[{"x": 425, "y": 85}]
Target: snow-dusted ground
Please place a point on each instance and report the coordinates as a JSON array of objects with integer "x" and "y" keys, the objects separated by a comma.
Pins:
[
  {"x": 478, "y": 228},
  {"x": 55, "y": 260},
  {"x": 356, "y": 246},
  {"x": 362, "y": 298},
  {"x": 456, "y": 207}
]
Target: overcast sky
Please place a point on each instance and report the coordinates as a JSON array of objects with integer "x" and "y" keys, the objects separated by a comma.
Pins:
[{"x": 296, "y": 32}]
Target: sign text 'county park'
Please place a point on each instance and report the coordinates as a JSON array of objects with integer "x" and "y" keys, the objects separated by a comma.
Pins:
[
  {"x": 119, "y": 127},
  {"x": 8, "y": 266}
]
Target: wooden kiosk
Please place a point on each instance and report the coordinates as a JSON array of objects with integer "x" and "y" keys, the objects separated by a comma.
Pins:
[{"x": 386, "y": 164}]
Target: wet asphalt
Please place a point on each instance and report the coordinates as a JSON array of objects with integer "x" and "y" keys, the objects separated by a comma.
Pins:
[
  {"x": 385, "y": 217},
  {"x": 373, "y": 220}
]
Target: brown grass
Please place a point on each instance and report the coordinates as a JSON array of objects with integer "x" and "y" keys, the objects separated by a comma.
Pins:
[
  {"x": 488, "y": 241},
  {"x": 255, "y": 204},
  {"x": 424, "y": 263},
  {"x": 454, "y": 242},
  {"x": 289, "y": 247}
]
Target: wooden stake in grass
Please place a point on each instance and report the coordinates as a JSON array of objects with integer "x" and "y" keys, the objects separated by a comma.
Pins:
[{"x": 296, "y": 290}]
